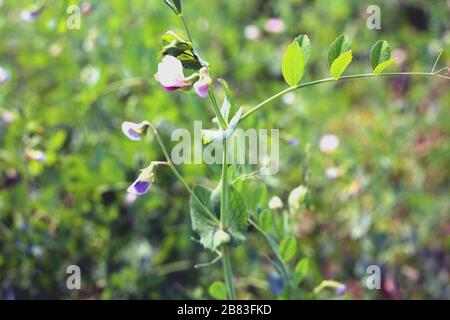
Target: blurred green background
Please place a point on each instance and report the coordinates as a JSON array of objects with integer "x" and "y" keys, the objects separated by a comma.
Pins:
[{"x": 381, "y": 198}]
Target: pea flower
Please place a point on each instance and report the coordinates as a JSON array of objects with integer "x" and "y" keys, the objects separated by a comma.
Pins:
[
  {"x": 275, "y": 25},
  {"x": 297, "y": 197},
  {"x": 4, "y": 75},
  {"x": 201, "y": 87},
  {"x": 275, "y": 203},
  {"x": 340, "y": 290},
  {"x": 328, "y": 143},
  {"x": 144, "y": 181},
  {"x": 135, "y": 131},
  {"x": 37, "y": 155},
  {"x": 170, "y": 74},
  {"x": 31, "y": 14},
  {"x": 252, "y": 32}
]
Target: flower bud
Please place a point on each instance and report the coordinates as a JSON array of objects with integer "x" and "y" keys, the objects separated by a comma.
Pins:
[
  {"x": 202, "y": 85},
  {"x": 135, "y": 131}
]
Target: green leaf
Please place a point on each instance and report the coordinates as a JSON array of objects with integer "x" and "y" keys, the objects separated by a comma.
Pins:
[
  {"x": 238, "y": 217},
  {"x": 293, "y": 64},
  {"x": 305, "y": 44},
  {"x": 288, "y": 248},
  {"x": 340, "y": 64},
  {"x": 380, "y": 68},
  {"x": 177, "y": 45},
  {"x": 379, "y": 54},
  {"x": 177, "y": 5},
  {"x": 337, "y": 48},
  {"x": 173, "y": 6},
  {"x": 237, "y": 213},
  {"x": 300, "y": 271},
  {"x": 266, "y": 220},
  {"x": 202, "y": 223},
  {"x": 218, "y": 290},
  {"x": 258, "y": 198},
  {"x": 229, "y": 106}
]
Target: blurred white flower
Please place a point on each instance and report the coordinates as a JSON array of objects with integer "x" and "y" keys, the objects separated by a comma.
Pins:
[
  {"x": 4, "y": 75},
  {"x": 275, "y": 203},
  {"x": 252, "y": 32},
  {"x": 56, "y": 49},
  {"x": 297, "y": 197},
  {"x": 37, "y": 155},
  {"x": 203, "y": 24},
  {"x": 289, "y": 98},
  {"x": 329, "y": 143},
  {"x": 275, "y": 25},
  {"x": 333, "y": 173},
  {"x": 8, "y": 117},
  {"x": 89, "y": 75}
]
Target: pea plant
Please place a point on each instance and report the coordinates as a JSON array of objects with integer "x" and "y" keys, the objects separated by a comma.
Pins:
[{"x": 221, "y": 216}]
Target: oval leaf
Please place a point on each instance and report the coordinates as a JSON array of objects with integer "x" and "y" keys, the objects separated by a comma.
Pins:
[
  {"x": 217, "y": 290},
  {"x": 379, "y": 54},
  {"x": 380, "y": 68},
  {"x": 337, "y": 48},
  {"x": 201, "y": 221},
  {"x": 288, "y": 248},
  {"x": 266, "y": 220},
  {"x": 301, "y": 269},
  {"x": 305, "y": 44},
  {"x": 340, "y": 64},
  {"x": 293, "y": 64}
]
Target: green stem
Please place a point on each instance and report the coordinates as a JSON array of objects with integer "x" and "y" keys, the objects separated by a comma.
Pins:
[
  {"x": 224, "y": 191},
  {"x": 228, "y": 274},
  {"x": 277, "y": 255},
  {"x": 224, "y": 220},
  {"x": 355, "y": 76},
  {"x": 216, "y": 108},
  {"x": 185, "y": 26},
  {"x": 179, "y": 177}
]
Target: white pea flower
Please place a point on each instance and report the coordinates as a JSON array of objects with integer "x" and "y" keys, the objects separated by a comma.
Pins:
[
  {"x": 329, "y": 143},
  {"x": 135, "y": 131},
  {"x": 170, "y": 74},
  {"x": 275, "y": 203}
]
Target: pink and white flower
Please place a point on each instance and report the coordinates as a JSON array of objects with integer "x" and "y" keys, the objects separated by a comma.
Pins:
[
  {"x": 201, "y": 87},
  {"x": 328, "y": 143},
  {"x": 275, "y": 25},
  {"x": 170, "y": 74}
]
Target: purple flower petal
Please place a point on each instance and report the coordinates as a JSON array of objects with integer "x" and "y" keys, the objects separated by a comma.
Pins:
[
  {"x": 139, "y": 187},
  {"x": 135, "y": 131},
  {"x": 341, "y": 290}
]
